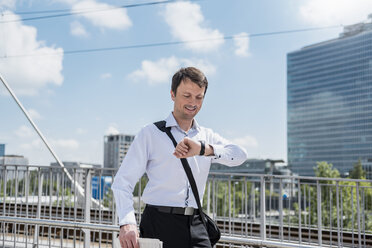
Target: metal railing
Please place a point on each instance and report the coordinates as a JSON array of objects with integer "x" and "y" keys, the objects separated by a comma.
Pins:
[{"x": 40, "y": 207}]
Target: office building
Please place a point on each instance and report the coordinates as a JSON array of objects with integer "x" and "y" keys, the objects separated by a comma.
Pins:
[
  {"x": 2, "y": 150},
  {"x": 329, "y": 101},
  {"x": 255, "y": 166},
  {"x": 115, "y": 148},
  {"x": 77, "y": 169},
  {"x": 367, "y": 167},
  {"x": 100, "y": 186},
  {"x": 13, "y": 160}
]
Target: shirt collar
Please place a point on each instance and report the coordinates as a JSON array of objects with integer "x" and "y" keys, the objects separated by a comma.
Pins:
[{"x": 171, "y": 122}]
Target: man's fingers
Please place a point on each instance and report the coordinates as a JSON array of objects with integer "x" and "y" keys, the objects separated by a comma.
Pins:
[
  {"x": 128, "y": 243},
  {"x": 122, "y": 243},
  {"x": 183, "y": 145},
  {"x": 181, "y": 150},
  {"x": 177, "y": 154},
  {"x": 128, "y": 236},
  {"x": 133, "y": 242}
]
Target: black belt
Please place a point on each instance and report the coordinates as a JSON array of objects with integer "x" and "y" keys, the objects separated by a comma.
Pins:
[{"x": 175, "y": 210}]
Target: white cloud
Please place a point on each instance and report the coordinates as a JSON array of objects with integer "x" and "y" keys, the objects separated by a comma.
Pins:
[
  {"x": 60, "y": 144},
  {"x": 7, "y": 3},
  {"x": 65, "y": 143},
  {"x": 112, "y": 129},
  {"x": 246, "y": 141},
  {"x": 333, "y": 12},
  {"x": 161, "y": 71},
  {"x": 27, "y": 75},
  {"x": 187, "y": 23},
  {"x": 25, "y": 132},
  {"x": 78, "y": 29},
  {"x": 113, "y": 18},
  {"x": 34, "y": 114},
  {"x": 36, "y": 143},
  {"x": 241, "y": 42},
  {"x": 81, "y": 131},
  {"x": 106, "y": 75}
]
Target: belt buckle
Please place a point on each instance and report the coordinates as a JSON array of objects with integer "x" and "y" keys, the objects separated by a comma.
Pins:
[{"x": 189, "y": 211}]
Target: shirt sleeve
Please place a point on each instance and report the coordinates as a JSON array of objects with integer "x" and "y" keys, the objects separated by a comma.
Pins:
[
  {"x": 131, "y": 169},
  {"x": 226, "y": 152}
]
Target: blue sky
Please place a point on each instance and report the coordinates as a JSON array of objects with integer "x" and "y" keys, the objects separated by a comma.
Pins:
[{"x": 76, "y": 99}]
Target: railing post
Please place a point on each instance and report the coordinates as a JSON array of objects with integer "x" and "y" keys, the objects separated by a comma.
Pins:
[
  {"x": 319, "y": 210},
  {"x": 50, "y": 205},
  {"x": 208, "y": 197},
  {"x": 246, "y": 205},
  {"x": 358, "y": 216},
  {"x": 299, "y": 212},
  {"x": 281, "y": 208},
  {"x": 88, "y": 192},
  {"x": 27, "y": 189},
  {"x": 338, "y": 215},
  {"x": 253, "y": 203},
  {"x": 352, "y": 215},
  {"x": 4, "y": 189},
  {"x": 214, "y": 207},
  {"x": 229, "y": 203},
  {"x": 39, "y": 199},
  {"x": 263, "y": 209},
  {"x": 4, "y": 201},
  {"x": 139, "y": 200},
  {"x": 15, "y": 203},
  {"x": 115, "y": 242}
]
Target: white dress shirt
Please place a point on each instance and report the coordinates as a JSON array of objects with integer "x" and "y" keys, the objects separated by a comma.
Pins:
[{"x": 152, "y": 152}]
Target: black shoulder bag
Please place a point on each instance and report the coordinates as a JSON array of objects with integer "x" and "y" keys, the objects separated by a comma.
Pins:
[{"x": 214, "y": 232}]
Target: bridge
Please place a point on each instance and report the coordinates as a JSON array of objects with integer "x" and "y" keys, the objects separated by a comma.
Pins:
[{"x": 41, "y": 207}]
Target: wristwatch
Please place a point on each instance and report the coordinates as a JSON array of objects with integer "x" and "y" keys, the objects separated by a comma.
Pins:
[{"x": 202, "y": 148}]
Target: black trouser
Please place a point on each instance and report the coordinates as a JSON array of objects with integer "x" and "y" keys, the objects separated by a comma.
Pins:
[{"x": 174, "y": 230}]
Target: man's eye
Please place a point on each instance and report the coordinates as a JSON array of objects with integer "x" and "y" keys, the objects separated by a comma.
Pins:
[
  {"x": 187, "y": 96},
  {"x": 199, "y": 98}
]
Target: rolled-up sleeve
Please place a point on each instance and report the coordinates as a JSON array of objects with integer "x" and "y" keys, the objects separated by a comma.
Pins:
[
  {"x": 227, "y": 153},
  {"x": 131, "y": 169}
]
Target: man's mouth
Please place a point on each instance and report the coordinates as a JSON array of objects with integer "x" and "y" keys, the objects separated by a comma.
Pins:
[{"x": 190, "y": 108}]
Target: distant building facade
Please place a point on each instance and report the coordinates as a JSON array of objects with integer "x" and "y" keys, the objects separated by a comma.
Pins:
[
  {"x": 2, "y": 150},
  {"x": 76, "y": 169},
  {"x": 367, "y": 167},
  {"x": 115, "y": 148},
  {"x": 13, "y": 160},
  {"x": 255, "y": 166},
  {"x": 100, "y": 186},
  {"x": 329, "y": 101}
]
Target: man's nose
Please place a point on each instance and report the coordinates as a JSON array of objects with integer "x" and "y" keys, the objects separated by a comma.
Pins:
[{"x": 192, "y": 101}]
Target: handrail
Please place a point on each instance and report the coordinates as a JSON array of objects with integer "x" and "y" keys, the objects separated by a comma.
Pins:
[
  {"x": 288, "y": 177},
  {"x": 114, "y": 228}
]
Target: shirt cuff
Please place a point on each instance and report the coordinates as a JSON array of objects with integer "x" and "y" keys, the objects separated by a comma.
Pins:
[
  {"x": 218, "y": 151},
  {"x": 130, "y": 218}
]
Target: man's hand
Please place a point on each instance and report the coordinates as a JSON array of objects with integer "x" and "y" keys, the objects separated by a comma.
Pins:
[
  {"x": 129, "y": 236},
  {"x": 187, "y": 148}
]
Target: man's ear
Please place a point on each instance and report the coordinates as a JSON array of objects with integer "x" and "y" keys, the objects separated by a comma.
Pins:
[{"x": 172, "y": 95}]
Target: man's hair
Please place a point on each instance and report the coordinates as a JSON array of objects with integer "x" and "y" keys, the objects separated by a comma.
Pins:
[{"x": 192, "y": 73}]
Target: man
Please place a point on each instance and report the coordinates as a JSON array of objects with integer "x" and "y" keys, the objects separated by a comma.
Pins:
[{"x": 168, "y": 192}]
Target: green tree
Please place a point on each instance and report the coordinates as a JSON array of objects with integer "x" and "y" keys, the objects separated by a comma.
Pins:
[
  {"x": 357, "y": 172},
  {"x": 324, "y": 169},
  {"x": 347, "y": 199}
]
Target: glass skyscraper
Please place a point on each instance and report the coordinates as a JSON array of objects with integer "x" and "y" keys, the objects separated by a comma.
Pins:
[
  {"x": 329, "y": 101},
  {"x": 2, "y": 150}
]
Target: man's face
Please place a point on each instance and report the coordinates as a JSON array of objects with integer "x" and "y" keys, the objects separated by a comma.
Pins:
[{"x": 188, "y": 99}]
